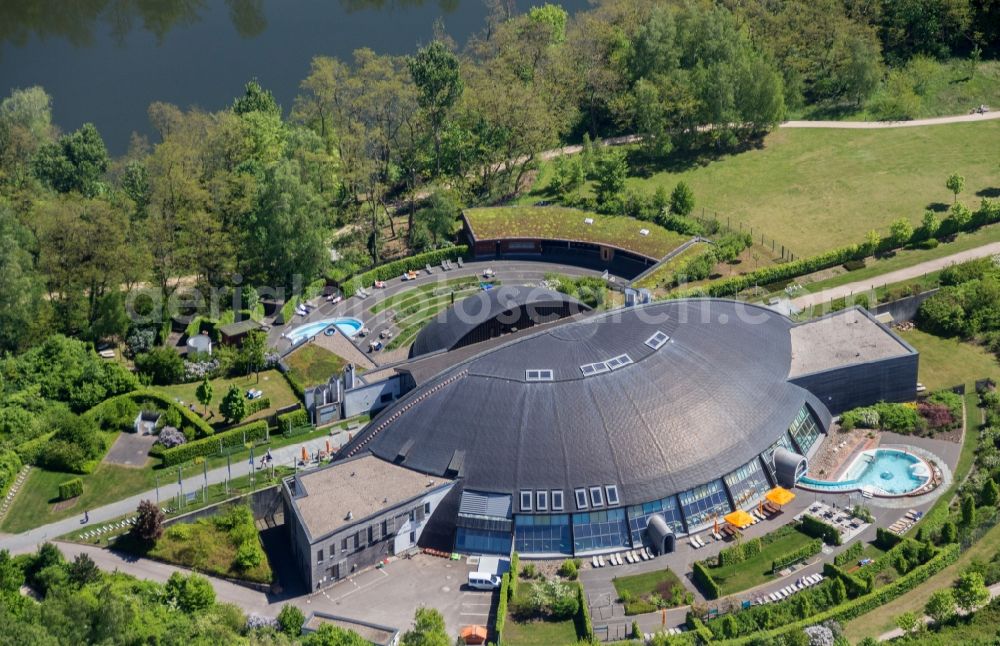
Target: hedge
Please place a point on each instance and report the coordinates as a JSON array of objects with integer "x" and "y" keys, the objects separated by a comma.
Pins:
[
  {"x": 294, "y": 419},
  {"x": 698, "y": 627},
  {"x": 30, "y": 450},
  {"x": 849, "y": 555},
  {"x": 886, "y": 540},
  {"x": 855, "y": 586},
  {"x": 812, "y": 526},
  {"x": 398, "y": 267},
  {"x": 212, "y": 445},
  {"x": 311, "y": 291},
  {"x": 741, "y": 552},
  {"x": 812, "y": 547},
  {"x": 257, "y": 405},
  {"x": 584, "y": 618},
  {"x": 859, "y": 606},
  {"x": 145, "y": 394},
  {"x": 70, "y": 489},
  {"x": 515, "y": 572},
  {"x": 501, "y": 619},
  {"x": 705, "y": 582}
]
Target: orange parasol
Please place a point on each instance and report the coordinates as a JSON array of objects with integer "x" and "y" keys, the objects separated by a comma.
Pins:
[
  {"x": 780, "y": 496},
  {"x": 305, "y": 455},
  {"x": 473, "y": 634},
  {"x": 739, "y": 519},
  {"x": 328, "y": 446}
]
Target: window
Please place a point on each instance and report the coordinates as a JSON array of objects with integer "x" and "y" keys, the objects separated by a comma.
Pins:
[
  {"x": 748, "y": 484},
  {"x": 619, "y": 361},
  {"x": 657, "y": 340},
  {"x": 542, "y": 501},
  {"x": 592, "y": 369},
  {"x": 667, "y": 508},
  {"x": 600, "y": 530},
  {"x": 333, "y": 549},
  {"x": 557, "y": 500},
  {"x": 702, "y": 504},
  {"x": 596, "y": 497},
  {"x": 525, "y": 501},
  {"x": 319, "y": 556},
  {"x": 538, "y": 375},
  {"x": 612, "y": 494},
  {"x": 427, "y": 509},
  {"x": 581, "y": 498},
  {"x": 804, "y": 429},
  {"x": 542, "y": 534},
  {"x": 482, "y": 541}
]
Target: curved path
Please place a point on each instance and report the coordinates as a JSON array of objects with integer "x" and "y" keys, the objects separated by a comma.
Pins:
[{"x": 833, "y": 293}]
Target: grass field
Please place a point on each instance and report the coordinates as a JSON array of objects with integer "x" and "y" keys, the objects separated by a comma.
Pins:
[
  {"x": 813, "y": 190},
  {"x": 312, "y": 364},
  {"x": 271, "y": 382},
  {"x": 948, "y": 362},
  {"x": 559, "y": 223},
  {"x": 639, "y": 587},
  {"x": 33, "y": 505},
  {"x": 757, "y": 570}
]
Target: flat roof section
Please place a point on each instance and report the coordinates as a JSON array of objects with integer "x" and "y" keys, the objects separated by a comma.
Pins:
[
  {"x": 844, "y": 338},
  {"x": 359, "y": 487}
]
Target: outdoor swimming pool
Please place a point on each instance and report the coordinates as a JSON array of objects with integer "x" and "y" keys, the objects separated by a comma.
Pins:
[
  {"x": 346, "y": 325},
  {"x": 885, "y": 472}
]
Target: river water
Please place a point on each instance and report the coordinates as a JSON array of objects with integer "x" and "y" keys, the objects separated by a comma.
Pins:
[{"x": 105, "y": 61}]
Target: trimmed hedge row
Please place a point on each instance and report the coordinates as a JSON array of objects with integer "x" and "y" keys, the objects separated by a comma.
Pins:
[
  {"x": 30, "y": 450},
  {"x": 859, "y": 606},
  {"x": 698, "y": 627},
  {"x": 812, "y": 547},
  {"x": 211, "y": 445},
  {"x": 291, "y": 420},
  {"x": 398, "y": 267},
  {"x": 501, "y": 619},
  {"x": 705, "y": 582},
  {"x": 70, "y": 489},
  {"x": 585, "y": 619},
  {"x": 886, "y": 540},
  {"x": 515, "y": 573},
  {"x": 855, "y": 586},
  {"x": 741, "y": 552},
  {"x": 812, "y": 526},
  {"x": 852, "y": 553},
  {"x": 257, "y": 405}
]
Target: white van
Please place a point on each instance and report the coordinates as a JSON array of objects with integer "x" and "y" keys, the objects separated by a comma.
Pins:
[{"x": 483, "y": 581}]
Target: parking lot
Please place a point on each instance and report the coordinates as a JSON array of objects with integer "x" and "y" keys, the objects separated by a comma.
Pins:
[{"x": 389, "y": 596}]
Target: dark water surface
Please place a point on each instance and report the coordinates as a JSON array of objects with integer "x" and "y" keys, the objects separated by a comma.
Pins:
[{"x": 105, "y": 61}]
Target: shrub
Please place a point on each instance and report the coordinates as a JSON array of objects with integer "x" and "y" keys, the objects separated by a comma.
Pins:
[
  {"x": 812, "y": 526},
  {"x": 162, "y": 365},
  {"x": 257, "y": 405},
  {"x": 70, "y": 489},
  {"x": 741, "y": 552},
  {"x": 294, "y": 419},
  {"x": 148, "y": 526},
  {"x": 249, "y": 555},
  {"x": 851, "y": 554},
  {"x": 10, "y": 465},
  {"x": 568, "y": 569},
  {"x": 170, "y": 437},
  {"x": 254, "y": 431},
  {"x": 705, "y": 582}
]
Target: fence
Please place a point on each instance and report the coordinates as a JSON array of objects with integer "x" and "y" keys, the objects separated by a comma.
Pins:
[{"x": 707, "y": 218}]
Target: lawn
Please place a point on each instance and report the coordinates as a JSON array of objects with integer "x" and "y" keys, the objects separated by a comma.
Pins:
[
  {"x": 560, "y": 223},
  {"x": 275, "y": 388},
  {"x": 33, "y": 505},
  {"x": 639, "y": 588},
  {"x": 537, "y": 632},
  {"x": 206, "y": 545},
  {"x": 948, "y": 362},
  {"x": 757, "y": 570},
  {"x": 815, "y": 189},
  {"x": 312, "y": 364}
]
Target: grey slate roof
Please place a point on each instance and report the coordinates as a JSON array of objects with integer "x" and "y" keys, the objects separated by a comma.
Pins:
[
  {"x": 700, "y": 406},
  {"x": 449, "y": 327}
]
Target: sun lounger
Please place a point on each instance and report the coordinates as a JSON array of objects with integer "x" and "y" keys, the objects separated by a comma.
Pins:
[
  {"x": 701, "y": 541},
  {"x": 460, "y": 263},
  {"x": 643, "y": 555},
  {"x": 600, "y": 561},
  {"x": 593, "y": 562},
  {"x": 618, "y": 557},
  {"x": 428, "y": 269},
  {"x": 692, "y": 542},
  {"x": 628, "y": 557}
]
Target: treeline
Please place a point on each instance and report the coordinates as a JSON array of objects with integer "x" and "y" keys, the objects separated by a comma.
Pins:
[{"x": 255, "y": 195}]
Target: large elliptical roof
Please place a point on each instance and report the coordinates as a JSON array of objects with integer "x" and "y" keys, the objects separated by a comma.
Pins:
[{"x": 703, "y": 404}]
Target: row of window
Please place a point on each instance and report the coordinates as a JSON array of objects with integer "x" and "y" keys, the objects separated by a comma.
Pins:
[
  {"x": 374, "y": 533},
  {"x": 543, "y": 500}
]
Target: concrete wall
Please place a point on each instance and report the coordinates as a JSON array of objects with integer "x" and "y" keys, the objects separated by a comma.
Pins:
[
  {"x": 905, "y": 309},
  {"x": 368, "y": 399},
  {"x": 840, "y": 389},
  {"x": 263, "y": 503}
]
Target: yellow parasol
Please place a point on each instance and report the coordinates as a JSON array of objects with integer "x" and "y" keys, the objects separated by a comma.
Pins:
[
  {"x": 780, "y": 496},
  {"x": 739, "y": 519}
]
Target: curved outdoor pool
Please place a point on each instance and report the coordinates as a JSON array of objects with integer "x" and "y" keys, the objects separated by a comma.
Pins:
[
  {"x": 348, "y": 326},
  {"x": 883, "y": 472}
]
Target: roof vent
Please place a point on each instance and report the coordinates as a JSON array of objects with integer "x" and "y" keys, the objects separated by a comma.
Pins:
[
  {"x": 350, "y": 515},
  {"x": 644, "y": 232},
  {"x": 588, "y": 220}
]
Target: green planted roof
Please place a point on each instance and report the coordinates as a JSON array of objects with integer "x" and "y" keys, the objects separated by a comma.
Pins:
[{"x": 560, "y": 223}]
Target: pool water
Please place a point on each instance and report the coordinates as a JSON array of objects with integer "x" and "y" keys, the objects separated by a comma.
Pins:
[
  {"x": 346, "y": 325},
  {"x": 885, "y": 471}
]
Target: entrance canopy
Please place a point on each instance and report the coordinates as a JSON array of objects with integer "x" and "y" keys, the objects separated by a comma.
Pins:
[
  {"x": 780, "y": 496},
  {"x": 739, "y": 519}
]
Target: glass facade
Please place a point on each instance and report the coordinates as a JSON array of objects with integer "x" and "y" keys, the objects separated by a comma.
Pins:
[
  {"x": 600, "y": 530},
  {"x": 748, "y": 484},
  {"x": 638, "y": 517},
  {"x": 804, "y": 429},
  {"x": 702, "y": 504},
  {"x": 482, "y": 541},
  {"x": 542, "y": 534}
]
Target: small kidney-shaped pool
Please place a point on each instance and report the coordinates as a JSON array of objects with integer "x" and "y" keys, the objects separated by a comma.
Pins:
[
  {"x": 347, "y": 326},
  {"x": 883, "y": 472}
]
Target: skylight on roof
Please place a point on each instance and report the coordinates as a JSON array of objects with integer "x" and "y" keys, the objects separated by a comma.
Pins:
[
  {"x": 592, "y": 369},
  {"x": 657, "y": 340},
  {"x": 619, "y": 361},
  {"x": 538, "y": 375}
]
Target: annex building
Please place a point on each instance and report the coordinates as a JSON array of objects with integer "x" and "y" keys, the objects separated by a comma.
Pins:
[{"x": 595, "y": 434}]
